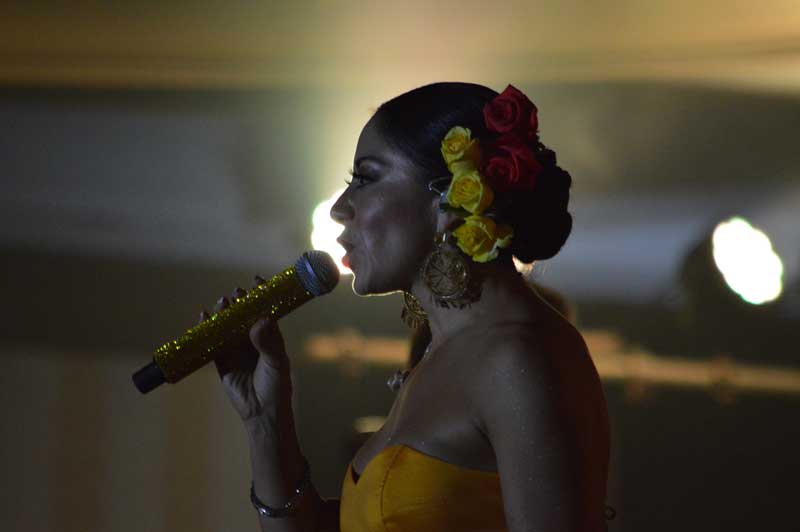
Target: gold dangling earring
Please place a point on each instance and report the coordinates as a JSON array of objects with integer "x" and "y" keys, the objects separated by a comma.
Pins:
[
  {"x": 413, "y": 314},
  {"x": 447, "y": 275}
]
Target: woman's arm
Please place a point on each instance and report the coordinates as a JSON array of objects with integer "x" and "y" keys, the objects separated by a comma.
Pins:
[
  {"x": 277, "y": 465},
  {"x": 536, "y": 460},
  {"x": 276, "y": 468},
  {"x": 257, "y": 379}
]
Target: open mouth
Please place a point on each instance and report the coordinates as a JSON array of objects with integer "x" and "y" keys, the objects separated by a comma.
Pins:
[{"x": 348, "y": 248}]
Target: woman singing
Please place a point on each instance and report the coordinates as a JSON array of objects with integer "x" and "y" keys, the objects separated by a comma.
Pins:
[{"x": 502, "y": 425}]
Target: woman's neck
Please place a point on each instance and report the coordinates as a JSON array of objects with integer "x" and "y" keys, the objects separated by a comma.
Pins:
[{"x": 504, "y": 297}]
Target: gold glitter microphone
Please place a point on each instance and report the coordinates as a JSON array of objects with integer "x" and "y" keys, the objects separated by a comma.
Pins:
[{"x": 314, "y": 274}]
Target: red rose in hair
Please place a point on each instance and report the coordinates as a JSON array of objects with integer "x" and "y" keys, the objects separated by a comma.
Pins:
[
  {"x": 510, "y": 164},
  {"x": 510, "y": 111},
  {"x": 500, "y": 172},
  {"x": 532, "y": 133}
]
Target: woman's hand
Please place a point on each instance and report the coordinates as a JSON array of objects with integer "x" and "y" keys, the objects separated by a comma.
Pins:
[{"x": 256, "y": 375}]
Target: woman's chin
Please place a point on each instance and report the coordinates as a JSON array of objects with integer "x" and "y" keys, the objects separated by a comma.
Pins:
[
  {"x": 358, "y": 286},
  {"x": 362, "y": 286},
  {"x": 354, "y": 286},
  {"x": 366, "y": 289}
]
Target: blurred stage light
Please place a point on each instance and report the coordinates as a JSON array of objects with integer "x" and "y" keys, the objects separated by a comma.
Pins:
[
  {"x": 368, "y": 424},
  {"x": 747, "y": 261},
  {"x": 732, "y": 279},
  {"x": 613, "y": 356},
  {"x": 324, "y": 231}
]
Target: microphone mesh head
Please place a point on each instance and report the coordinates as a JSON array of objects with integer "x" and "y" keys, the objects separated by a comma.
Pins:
[{"x": 317, "y": 272}]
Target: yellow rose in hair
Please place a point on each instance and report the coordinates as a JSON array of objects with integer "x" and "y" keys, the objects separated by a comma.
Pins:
[
  {"x": 458, "y": 146},
  {"x": 470, "y": 191},
  {"x": 462, "y": 166},
  {"x": 480, "y": 237}
]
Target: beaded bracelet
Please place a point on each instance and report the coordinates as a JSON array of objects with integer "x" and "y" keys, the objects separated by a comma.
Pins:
[{"x": 291, "y": 506}]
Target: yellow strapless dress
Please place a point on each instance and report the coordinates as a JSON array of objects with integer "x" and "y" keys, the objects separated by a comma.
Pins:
[{"x": 405, "y": 490}]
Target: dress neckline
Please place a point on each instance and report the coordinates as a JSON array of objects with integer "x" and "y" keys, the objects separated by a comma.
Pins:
[{"x": 351, "y": 473}]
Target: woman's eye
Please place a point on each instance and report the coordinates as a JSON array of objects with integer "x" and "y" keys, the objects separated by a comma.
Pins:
[{"x": 360, "y": 179}]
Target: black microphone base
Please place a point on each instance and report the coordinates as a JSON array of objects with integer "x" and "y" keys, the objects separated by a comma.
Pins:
[{"x": 149, "y": 377}]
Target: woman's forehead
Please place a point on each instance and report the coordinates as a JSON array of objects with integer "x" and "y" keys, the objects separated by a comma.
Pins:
[
  {"x": 371, "y": 148},
  {"x": 373, "y": 151}
]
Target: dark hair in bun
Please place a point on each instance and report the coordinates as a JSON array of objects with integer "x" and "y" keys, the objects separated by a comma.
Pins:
[{"x": 415, "y": 123}]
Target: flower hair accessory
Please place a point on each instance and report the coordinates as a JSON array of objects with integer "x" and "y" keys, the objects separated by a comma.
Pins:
[{"x": 505, "y": 164}]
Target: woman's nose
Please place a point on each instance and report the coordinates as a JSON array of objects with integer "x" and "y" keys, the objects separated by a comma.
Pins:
[{"x": 341, "y": 211}]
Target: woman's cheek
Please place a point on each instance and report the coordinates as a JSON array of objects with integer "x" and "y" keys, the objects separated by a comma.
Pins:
[{"x": 373, "y": 226}]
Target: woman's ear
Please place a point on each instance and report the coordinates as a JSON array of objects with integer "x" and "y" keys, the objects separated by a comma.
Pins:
[{"x": 447, "y": 221}]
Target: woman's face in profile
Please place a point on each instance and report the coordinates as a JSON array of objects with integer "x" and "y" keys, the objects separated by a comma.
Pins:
[{"x": 388, "y": 216}]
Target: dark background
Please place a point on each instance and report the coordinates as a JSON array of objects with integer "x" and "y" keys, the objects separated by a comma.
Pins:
[{"x": 160, "y": 159}]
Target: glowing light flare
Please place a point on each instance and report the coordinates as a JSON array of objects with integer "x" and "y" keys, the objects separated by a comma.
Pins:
[
  {"x": 324, "y": 231},
  {"x": 522, "y": 267},
  {"x": 746, "y": 259}
]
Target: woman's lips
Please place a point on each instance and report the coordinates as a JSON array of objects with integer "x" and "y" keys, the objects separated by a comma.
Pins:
[{"x": 348, "y": 250}]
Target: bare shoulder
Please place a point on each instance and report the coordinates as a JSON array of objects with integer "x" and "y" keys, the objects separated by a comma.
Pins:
[
  {"x": 524, "y": 366},
  {"x": 539, "y": 402},
  {"x": 524, "y": 347}
]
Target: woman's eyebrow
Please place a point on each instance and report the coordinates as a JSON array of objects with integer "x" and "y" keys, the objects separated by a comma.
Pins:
[{"x": 371, "y": 158}]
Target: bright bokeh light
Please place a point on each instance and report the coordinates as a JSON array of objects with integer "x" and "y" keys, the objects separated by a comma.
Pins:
[
  {"x": 324, "y": 231},
  {"x": 745, "y": 257},
  {"x": 522, "y": 267}
]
